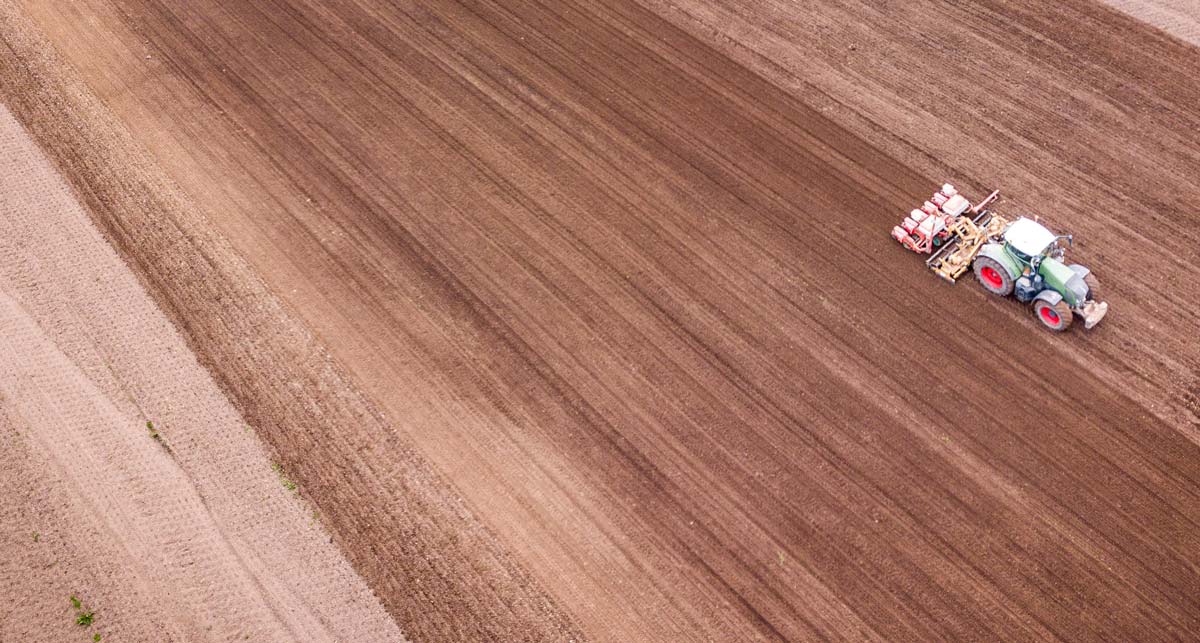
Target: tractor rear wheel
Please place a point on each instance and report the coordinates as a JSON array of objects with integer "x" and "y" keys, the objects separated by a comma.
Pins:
[
  {"x": 993, "y": 276},
  {"x": 1055, "y": 317},
  {"x": 1093, "y": 287}
]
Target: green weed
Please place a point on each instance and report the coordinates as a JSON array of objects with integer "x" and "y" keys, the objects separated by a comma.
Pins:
[
  {"x": 158, "y": 437},
  {"x": 83, "y": 618},
  {"x": 283, "y": 479}
]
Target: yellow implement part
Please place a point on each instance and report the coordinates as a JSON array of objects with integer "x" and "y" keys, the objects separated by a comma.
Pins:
[{"x": 968, "y": 237}]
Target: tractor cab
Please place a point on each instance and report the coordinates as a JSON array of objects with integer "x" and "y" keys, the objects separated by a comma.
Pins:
[
  {"x": 1036, "y": 260},
  {"x": 1025, "y": 239}
]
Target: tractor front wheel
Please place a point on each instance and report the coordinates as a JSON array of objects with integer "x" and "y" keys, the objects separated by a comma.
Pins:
[
  {"x": 1093, "y": 287},
  {"x": 1056, "y": 317},
  {"x": 993, "y": 276}
]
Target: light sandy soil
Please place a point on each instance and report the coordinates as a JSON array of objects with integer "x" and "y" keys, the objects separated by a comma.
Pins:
[
  {"x": 1180, "y": 18},
  {"x": 579, "y": 317},
  {"x": 193, "y": 537},
  {"x": 57, "y": 544}
]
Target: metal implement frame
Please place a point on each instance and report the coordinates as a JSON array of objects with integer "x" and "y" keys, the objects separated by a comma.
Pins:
[{"x": 968, "y": 236}]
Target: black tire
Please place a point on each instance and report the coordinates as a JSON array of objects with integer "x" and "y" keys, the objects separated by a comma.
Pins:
[
  {"x": 1093, "y": 287},
  {"x": 993, "y": 276},
  {"x": 1057, "y": 317}
]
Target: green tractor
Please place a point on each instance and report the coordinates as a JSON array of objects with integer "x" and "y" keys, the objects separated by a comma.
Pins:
[{"x": 1028, "y": 262}]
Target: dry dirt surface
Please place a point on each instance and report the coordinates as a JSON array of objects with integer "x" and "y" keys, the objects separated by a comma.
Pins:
[
  {"x": 169, "y": 531},
  {"x": 582, "y": 320},
  {"x": 1180, "y": 18}
]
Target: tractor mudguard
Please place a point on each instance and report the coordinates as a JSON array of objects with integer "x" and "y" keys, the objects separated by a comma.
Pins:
[
  {"x": 996, "y": 252},
  {"x": 1082, "y": 271},
  {"x": 1049, "y": 296}
]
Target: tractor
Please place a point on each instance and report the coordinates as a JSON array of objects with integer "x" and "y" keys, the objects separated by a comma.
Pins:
[
  {"x": 1020, "y": 257},
  {"x": 1028, "y": 263}
]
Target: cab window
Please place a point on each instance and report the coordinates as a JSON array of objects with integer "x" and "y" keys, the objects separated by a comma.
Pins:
[{"x": 1018, "y": 254}]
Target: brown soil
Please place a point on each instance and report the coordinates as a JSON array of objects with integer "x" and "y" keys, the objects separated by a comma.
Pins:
[
  {"x": 616, "y": 336},
  {"x": 189, "y": 535}
]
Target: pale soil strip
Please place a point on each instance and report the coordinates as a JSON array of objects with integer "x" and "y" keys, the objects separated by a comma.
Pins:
[
  {"x": 56, "y": 545},
  {"x": 1180, "y": 18},
  {"x": 209, "y": 530}
]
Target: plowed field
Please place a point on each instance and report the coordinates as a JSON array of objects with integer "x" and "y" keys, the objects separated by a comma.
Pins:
[{"x": 581, "y": 319}]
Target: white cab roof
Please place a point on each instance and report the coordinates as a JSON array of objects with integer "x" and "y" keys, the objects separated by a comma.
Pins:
[{"x": 1028, "y": 236}]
